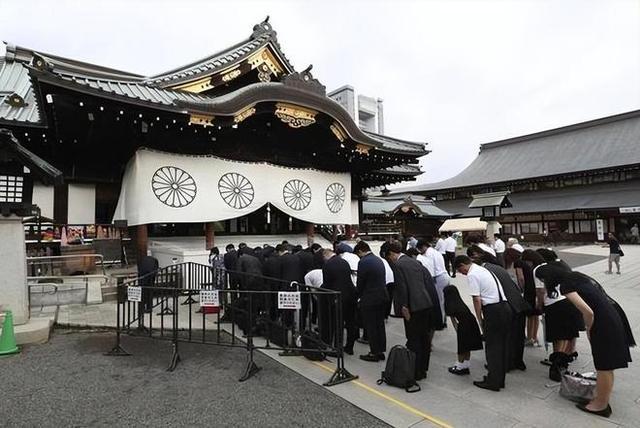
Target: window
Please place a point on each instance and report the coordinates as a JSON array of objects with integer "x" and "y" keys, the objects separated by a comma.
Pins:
[
  {"x": 508, "y": 229},
  {"x": 529, "y": 227},
  {"x": 586, "y": 226}
]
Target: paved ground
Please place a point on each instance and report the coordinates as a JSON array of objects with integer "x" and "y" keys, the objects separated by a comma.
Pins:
[
  {"x": 68, "y": 382},
  {"x": 447, "y": 400}
]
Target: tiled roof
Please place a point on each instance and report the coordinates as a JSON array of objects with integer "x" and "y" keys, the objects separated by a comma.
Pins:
[
  {"x": 405, "y": 169},
  {"x": 590, "y": 197},
  {"x": 263, "y": 34},
  {"x": 135, "y": 90},
  {"x": 14, "y": 79},
  {"x": 388, "y": 204},
  {"x": 397, "y": 144},
  {"x": 604, "y": 143}
]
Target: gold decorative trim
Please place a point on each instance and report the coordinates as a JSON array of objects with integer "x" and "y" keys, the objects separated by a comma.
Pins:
[
  {"x": 264, "y": 56},
  {"x": 264, "y": 74},
  {"x": 338, "y": 132},
  {"x": 244, "y": 114},
  {"x": 228, "y": 77},
  {"x": 196, "y": 86},
  {"x": 201, "y": 119},
  {"x": 295, "y": 116},
  {"x": 363, "y": 149}
]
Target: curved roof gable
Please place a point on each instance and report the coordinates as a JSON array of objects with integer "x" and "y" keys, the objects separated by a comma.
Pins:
[{"x": 263, "y": 36}]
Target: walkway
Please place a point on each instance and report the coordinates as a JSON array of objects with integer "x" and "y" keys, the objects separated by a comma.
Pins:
[{"x": 446, "y": 400}]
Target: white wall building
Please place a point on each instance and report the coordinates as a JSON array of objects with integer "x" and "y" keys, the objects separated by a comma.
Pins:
[{"x": 366, "y": 111}]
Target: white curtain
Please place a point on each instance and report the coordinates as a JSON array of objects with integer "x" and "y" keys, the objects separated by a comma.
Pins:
[{"x": 161, "y": 187}]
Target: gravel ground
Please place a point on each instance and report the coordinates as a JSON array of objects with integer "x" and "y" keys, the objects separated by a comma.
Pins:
[{"x": 69, "y": 382}]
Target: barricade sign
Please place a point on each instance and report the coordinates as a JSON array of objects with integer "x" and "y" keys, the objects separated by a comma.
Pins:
[
  {"x": 134, "y": 294},
  {"x": 150, "y": 306},
  {"x": 289, "y": 300},
  {"x": 209, "y": 298}
]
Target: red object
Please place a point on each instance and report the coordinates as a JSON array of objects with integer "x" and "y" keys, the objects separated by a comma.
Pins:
[{"x": 211, "y": 309}]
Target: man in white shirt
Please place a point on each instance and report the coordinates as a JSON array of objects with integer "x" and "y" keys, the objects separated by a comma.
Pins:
[
  {"x": 345, "y": 251},
  {"x": 450, "y": 245},
  {"x": 513, "y": 243},
  {"x": 440, "y": 245},
  {"x": 313, "y": 278},
  {"x": 480, "y": 241},
  {"x": 494, "y": 314},
  {"x": 499, "y": 247},
  {"x": 434, "y": 262}
]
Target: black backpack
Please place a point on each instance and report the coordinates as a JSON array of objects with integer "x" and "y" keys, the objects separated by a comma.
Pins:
[
  {"x": 311, "y": 340},
  {"x": 400, "y": 369}
]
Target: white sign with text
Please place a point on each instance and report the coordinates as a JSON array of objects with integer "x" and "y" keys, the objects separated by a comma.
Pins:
[
  {"x": 600, "y": 229},
  {"x": 209, "y": 298},
  {"x": 289, "y": 300},
  {"x": 134, "y": 294}
]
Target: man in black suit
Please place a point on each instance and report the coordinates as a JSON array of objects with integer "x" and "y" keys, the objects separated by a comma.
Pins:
[
  {"x": 250, "y": 270},
  {"x": 271, "y": 269},
  {"x": 230, "y": 261},
  {"x": 336, "y": 275},
  {"x": 146, "y": 268},
  {"x": 373, "y": 298},
  {"x": 290, "y": 271},
  {"x": 519, "y": 306},
  {"x": 411, "y": 299},
  {"x": 290, "y": 266}
]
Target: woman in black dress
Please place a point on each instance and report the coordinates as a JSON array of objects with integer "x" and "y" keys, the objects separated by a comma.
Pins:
[
  {"x": 523, "y": 264},
  {"x": 605, "y": 330},
  {"x": 467, "y": 330}
]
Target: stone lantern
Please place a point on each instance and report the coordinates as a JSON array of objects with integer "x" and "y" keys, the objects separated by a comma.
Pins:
[{"x": 18, "y": 169}]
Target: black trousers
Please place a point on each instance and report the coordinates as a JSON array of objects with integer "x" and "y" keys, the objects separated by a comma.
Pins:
[
  {"x": 327, "y": 319},
  {"x": 497, "y": 323},
  {"x": 449, "y": 256},
  {"x": 417, "y": 331},
  {"x": 349, "y": 317},
  {"x": 373, "y": 322},
  {"x": 516, "y": 340},
  {"x": 390, "y": 289}
]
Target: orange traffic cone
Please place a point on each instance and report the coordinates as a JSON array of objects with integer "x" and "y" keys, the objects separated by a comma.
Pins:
[{"x": 8, "y": 337}]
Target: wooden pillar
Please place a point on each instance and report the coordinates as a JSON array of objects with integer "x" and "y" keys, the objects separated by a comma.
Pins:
[
  {"x": 209, "y": 235},
  {"x": 347, "y": 230},
  {"x": 309, "y": 229},
  {"x": 142, "y": 240}
]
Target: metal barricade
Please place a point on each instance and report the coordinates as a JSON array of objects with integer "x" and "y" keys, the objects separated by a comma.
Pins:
[{"x": 251, "y": 303}]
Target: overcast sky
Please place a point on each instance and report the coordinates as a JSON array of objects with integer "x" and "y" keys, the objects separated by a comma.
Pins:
[{"x": 452, "y": 73}]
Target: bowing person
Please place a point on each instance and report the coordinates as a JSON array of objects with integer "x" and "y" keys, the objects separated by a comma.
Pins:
[
  {"x": 336, "y": 276},
  {"x": 516, "y": 301},
  {"x": 412, "y": 300},
  {"x": 372, "y": 300},
  {"x": 605, "y": 329},
  {"x": 494, "y": 314}
]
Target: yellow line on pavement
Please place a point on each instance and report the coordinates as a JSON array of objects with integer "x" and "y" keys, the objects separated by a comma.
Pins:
[{"x": 395, "y": 401}]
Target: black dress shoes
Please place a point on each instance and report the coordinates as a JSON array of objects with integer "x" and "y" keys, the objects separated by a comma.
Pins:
[
  {"x": 606, "y": 412},
  {"x": 458, "y": 371},
  {"x": 372, "y": 357},
  {"x": 484, "y": 385}
]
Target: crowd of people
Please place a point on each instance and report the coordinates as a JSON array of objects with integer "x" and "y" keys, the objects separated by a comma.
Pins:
[{"x": 512, "y": 289}]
